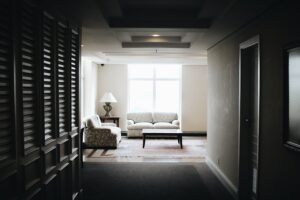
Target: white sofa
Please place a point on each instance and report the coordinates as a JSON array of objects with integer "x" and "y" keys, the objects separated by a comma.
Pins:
[{"x": 147, "y": 120}]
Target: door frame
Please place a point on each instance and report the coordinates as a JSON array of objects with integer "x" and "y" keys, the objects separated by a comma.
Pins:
[{"x": 244, "y": 45}]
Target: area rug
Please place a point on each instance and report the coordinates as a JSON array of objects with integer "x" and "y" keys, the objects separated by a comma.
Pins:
[
  {"x": 140, "y": 181},
  {"x": 193, "y": 148}
]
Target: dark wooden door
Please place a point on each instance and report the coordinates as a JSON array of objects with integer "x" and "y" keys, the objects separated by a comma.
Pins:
[
  {"x": 249, "y": 119},
  {"x": 39, "y": 104}
]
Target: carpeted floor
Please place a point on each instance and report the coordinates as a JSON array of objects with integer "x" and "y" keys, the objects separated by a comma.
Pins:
[
  {"x": 130, "y": 150},
  {"x": 155, "y": 181}
]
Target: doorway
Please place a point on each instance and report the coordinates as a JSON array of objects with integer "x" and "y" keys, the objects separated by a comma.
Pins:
[{"x": 249, "y": 110}]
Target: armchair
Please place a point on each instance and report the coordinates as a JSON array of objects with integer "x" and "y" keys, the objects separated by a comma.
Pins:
[{"x": 101, "y": 135}]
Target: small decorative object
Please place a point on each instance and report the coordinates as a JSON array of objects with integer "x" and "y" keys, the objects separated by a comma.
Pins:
[
  {"x": 108, "y": 98},
  {"x": 292, "y": 97}
]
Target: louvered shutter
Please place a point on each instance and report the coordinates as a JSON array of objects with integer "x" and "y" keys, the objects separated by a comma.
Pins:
[
  {"x": 74, "y": 78},
  {"x": 28, "y": 62},
  {"x": 48, "y": 76},
  {"x": 6, "y": 88},
  {"x": 61, "y": 51}
]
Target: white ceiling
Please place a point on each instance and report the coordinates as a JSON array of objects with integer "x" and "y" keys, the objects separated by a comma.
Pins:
[{"x": 104, "y": 44}]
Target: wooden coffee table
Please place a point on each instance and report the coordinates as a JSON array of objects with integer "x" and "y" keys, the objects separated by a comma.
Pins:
[{"x": 162, "y": 132}]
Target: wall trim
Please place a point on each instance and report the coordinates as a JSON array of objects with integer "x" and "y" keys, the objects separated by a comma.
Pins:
[{"x": 232, "y": 189}]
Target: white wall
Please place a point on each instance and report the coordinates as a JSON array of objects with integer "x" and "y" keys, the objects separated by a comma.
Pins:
[
  {"x": 113, "y": 78},
  {"x": 194, "y": 98},
  {"x": 89, "y": 82}
]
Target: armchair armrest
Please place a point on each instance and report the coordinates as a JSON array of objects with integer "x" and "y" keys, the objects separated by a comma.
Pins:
[
  {"x": 109, "y": 124},
  {"x": 95, "y": 137},
  {"x": 100, "y": 130},
  {"x": 130, "y": 122},
  {"x": 176, "y": 122}
]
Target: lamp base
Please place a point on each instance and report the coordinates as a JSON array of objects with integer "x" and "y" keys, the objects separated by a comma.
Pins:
[{"x": 107, "y": 107}]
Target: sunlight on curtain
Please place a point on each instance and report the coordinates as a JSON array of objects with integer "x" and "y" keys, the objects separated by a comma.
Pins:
[{"x": 154, "y": 87}]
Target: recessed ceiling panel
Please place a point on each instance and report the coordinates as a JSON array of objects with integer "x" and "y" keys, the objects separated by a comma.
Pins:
[{"x": 156, "y": 38}]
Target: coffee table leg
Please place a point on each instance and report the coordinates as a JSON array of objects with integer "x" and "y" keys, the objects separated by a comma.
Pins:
[
  {"x": 144, "y": 141},
  {"x": 180, "y": 140}
]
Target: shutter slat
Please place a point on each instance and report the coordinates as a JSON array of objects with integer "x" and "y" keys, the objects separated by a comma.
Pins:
[
  {"x": 28, "y": 32},
  {"x": 48, "y": 75},
  {"x": 74, "y": 78},
  {"x": 61, "y": 38},
  {"x": 6, "y": 88}
]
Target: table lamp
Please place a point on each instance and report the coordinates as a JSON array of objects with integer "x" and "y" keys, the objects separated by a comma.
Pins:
[{"x": 108, "y": 98}]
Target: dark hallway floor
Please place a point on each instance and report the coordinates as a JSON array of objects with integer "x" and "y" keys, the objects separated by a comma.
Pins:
[{"x": 143, "y": 181}]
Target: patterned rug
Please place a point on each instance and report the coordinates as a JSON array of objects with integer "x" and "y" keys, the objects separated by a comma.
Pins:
[{"x": 194, "y": 150}]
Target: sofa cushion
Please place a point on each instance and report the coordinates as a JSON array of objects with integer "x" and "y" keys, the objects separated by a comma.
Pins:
[
  {"x": 140, "y": 117},
  {"x": 140, "y": 125},
  {"x": 164, "y": 125},
  {"x": 164, "y": 117},
  {"x": 93, "y": 122}
]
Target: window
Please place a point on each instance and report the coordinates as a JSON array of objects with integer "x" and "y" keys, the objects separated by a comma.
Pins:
[{"x": 154, "y": 87}]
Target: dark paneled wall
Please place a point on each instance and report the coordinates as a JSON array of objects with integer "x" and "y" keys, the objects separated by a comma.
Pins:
[
  {"x": 39, "y": 103},
  {"x": 279, "y": 173}
]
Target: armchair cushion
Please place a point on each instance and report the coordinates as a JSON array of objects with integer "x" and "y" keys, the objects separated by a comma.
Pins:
[
  {"x": 113, "y": 130},
  {"x": 109, "y": 124}
]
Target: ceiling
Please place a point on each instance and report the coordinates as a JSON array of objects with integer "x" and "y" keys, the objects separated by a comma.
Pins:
[
  {"x": 120, "y": 31},
  {"x": 160, "y": 13}
]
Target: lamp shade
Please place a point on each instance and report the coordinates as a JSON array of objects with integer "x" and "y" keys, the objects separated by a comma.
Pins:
[{"x": 108, "y": 97}]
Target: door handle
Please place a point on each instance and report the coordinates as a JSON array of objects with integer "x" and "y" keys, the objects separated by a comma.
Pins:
[{"x": 246, "y": 120}]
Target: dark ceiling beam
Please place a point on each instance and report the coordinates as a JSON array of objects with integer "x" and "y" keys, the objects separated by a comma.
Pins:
[
  {"x": 162, "y": 2},
  {"x": 158, "y": 23},
  {"x": 161, "y": 12},
  {"x": 110, "y": 8}
]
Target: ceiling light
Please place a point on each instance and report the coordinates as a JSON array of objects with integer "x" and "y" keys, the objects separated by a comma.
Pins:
[
  {"x": 82, "y": 45},
  {"x": 155, "y": 35}
]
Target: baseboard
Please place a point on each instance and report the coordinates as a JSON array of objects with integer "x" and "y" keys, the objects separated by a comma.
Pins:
[
  {"x": 223, "y": 178},
  {"x": 84, "y": 146},
  {"x": 194, "y": 133},
  {"x": 124, "y": 133},
  {"x": 186, "y": 133}
]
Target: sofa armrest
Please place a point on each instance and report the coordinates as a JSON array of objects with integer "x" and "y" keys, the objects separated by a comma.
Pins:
[
  {"x": 130, "y": 122},
  {"x": 176, "y": 122},
  {"x": 109, "y": 124}
]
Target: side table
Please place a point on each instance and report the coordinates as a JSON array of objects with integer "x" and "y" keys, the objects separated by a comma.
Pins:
[{"x": 114, "y": 119}]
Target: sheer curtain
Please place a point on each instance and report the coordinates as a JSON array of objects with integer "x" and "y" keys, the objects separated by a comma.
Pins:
[{"x": 154, "y": 87}]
